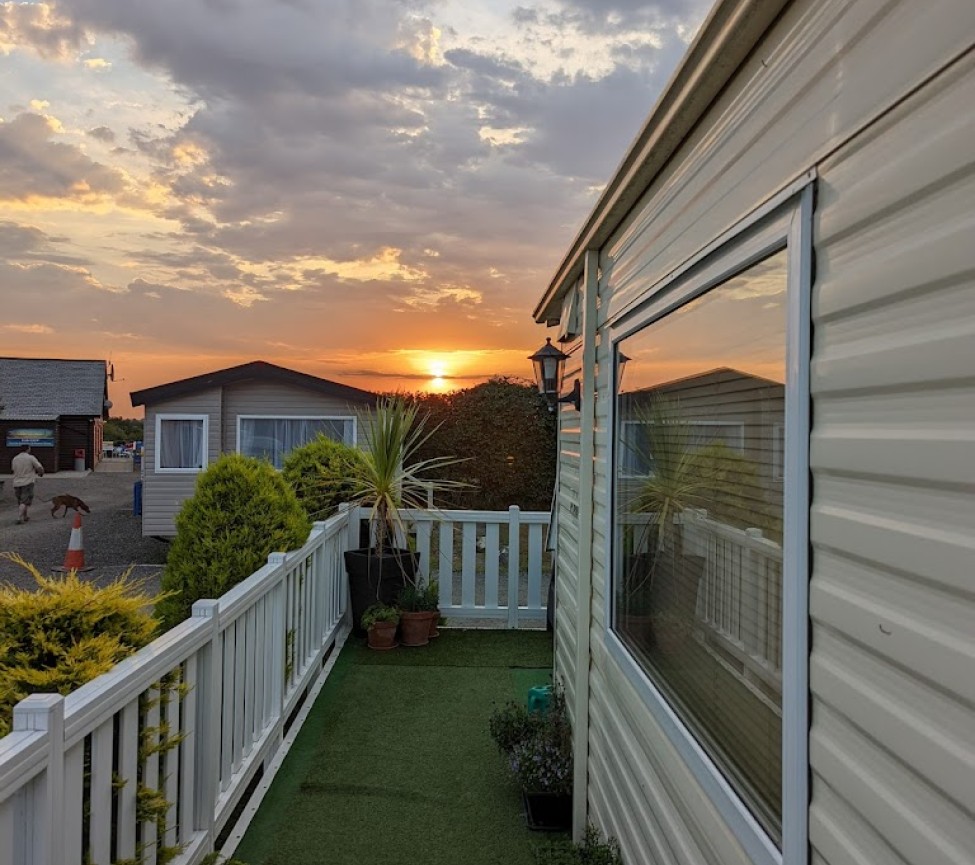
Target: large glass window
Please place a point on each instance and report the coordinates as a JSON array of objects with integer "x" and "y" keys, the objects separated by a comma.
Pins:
[
  {"x": 698, "y": 528},
  {"x": 274, "y": 438},
  {"x": 181, "y": 442}
]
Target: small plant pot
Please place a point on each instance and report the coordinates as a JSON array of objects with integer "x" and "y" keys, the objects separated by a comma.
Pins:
[
  {"x": 415, "y": 628},
  {"x": 382, "y": 636},
  {"x": 434, "y": 620},
  {"x": 548, "y": 812}
]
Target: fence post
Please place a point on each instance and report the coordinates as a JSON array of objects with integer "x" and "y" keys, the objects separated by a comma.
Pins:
[
  {"x": 209, "y": 690},
  {"x": 279, "y": 647},
  {"x": 756, "y": 601},
  {"x": 514, "y": 564},
  {"x": 351, "y": 543},
  {"x": 45, "y": 713},
  {"x": 320, "y": 588}
]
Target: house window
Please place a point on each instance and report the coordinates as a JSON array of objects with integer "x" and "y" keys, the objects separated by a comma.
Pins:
[
  {"x": 181, "y": 442},
  {"x": 635, "y": 438},
  {"x": 273, "y": 438},
  {"x": 707, "y": 610},
  {"x": 778, "y": 452}
]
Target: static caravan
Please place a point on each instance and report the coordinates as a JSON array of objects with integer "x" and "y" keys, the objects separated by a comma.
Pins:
[
  {"x": 257, "y": 409},
  {"x": 765, "y": 604}
]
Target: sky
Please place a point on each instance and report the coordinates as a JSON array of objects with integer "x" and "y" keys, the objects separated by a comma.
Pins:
[{"x": 372, "y": 191}]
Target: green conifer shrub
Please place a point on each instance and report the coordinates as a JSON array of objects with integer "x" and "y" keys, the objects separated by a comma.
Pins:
[
  {"x": 66, "y": 632},
  {"x": 242, "y": 510},
  {"x": 323, "y": 475}
]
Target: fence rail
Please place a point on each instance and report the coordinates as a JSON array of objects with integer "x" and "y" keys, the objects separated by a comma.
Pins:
[{"x": 150, "y": 761}]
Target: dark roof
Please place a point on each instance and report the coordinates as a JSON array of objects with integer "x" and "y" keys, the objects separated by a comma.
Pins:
[
  {"x": 721, "y": 373},
  {"x": 257, "y": 370},
  {"x": 45, "y": 389}
]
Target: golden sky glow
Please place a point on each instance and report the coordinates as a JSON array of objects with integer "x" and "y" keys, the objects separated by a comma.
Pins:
[{"x": 364, "y": 190}]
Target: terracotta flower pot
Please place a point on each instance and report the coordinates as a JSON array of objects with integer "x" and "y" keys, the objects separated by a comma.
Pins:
[
  {"x": 434, "y": 620},
  {"x": 382, "y": 636},
  {"x": 415, "y": 628},
  {"x": 377, "y": 578}
]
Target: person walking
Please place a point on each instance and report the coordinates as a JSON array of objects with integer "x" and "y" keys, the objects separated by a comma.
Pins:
[{"x": 26, "y": 469}]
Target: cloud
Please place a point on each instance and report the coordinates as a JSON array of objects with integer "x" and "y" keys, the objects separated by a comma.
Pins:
[
  {"x": 435, "y": 297},
  {"x": 324, "y": 175},
  {"x": 27, "y": 243},
  {"x": 102, "y": 133},
  {"x": 29, "y": 328},
  {"x": 42, "y": 28},
  {"x": 97, "y": 63},
  {"x": 33, "y": 166},
  {"x": 52, "y": 282}
]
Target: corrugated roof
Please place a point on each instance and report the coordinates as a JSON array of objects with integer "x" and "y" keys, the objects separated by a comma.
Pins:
[{"x": 44, "y": 389}]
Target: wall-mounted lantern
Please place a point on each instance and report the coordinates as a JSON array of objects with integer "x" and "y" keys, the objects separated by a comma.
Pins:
[{"x": 549, "y": 364}]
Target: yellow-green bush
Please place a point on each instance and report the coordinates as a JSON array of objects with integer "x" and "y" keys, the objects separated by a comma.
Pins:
[{"x": 66, "y": 632}]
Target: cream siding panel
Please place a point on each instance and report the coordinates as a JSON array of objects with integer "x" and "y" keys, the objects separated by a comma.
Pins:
[
  {"x": 642, "y": 759},
  {"x": 848, "y": 840},
  {"x": 567, "y": 570},
  {"x": 893, "y": 523},
  {"x": 823, "y": 74},
  {"x": 893, "y": 309},
  {"x": 275, "y": 400},
  {"x": 164, "y": 494}
]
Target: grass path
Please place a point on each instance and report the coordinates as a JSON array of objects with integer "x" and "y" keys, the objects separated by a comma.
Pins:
[{"x": 395, "y": 764}]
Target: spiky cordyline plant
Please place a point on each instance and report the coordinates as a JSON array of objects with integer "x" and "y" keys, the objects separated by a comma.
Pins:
[
  {"x": 684, "y": 475},
  {"x": 389, "y": 480}
]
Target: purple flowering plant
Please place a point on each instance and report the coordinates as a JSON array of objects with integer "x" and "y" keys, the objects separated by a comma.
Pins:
[{"x": 542, "y": 761}]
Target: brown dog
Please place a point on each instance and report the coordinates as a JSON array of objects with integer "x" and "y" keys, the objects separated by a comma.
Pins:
[{"x": 65, "y": 500}]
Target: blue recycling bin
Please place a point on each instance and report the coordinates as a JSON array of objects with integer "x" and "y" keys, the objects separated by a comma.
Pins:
[{"x": 137, "y": 499}]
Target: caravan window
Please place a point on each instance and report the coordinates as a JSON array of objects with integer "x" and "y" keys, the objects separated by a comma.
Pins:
[
  {"x": 181, "y": 442},
  {"x": 698, "y": 530},
  {"x": 273, "y": 438}
]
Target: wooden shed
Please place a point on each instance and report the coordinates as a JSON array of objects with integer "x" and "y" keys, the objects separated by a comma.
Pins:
[
  {"x": 764, "y": 630},
  {"x": 257, "y": 408}
]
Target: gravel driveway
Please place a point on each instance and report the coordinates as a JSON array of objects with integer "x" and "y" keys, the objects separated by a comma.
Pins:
[{"x": 112, "y": 536}]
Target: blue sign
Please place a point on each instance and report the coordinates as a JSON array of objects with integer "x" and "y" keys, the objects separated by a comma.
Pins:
[{"x": 36, "y": 438}]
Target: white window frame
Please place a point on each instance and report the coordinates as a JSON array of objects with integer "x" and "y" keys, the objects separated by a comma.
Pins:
[
  {"x": 342, "y": 417},
  {"x": 158, "y": 443},
  {"x": 784, "y": 222}
]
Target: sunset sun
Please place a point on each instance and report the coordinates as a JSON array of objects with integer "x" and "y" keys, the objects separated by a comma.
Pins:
[{"x": 438, "y": 376}]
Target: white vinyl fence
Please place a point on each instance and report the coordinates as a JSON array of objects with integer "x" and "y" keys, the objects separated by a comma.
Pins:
[
  {"x": 740, "y": 596},
  {"x": 489, "y": 564},
  {"x": 151, "y": 761}
]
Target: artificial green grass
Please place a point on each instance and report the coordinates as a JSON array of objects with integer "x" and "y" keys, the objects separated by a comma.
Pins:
[{"x": 394, "y": 763}]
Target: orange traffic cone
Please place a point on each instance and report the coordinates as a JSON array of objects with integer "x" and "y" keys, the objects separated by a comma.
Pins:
[{"x": 74, "y": 558}]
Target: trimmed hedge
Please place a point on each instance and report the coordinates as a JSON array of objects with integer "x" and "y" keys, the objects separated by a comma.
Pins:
[
  {"x": 322, "y": 473},
  {"x": 242, "y": 510},
  {"x": 66, "y": 632}
]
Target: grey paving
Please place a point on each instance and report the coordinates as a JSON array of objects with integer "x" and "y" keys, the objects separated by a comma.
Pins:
[{"x": 112, "y": 535}]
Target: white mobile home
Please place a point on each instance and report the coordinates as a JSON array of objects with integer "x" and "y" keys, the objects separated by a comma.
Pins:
[
  {"x": 258, "y": 409},
  {"x": 781, "y": 668}
]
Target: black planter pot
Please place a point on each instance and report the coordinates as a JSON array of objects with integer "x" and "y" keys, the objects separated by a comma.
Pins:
[
  {"x": 374, "y": 578},
  {"x": 548, "y": 812}
]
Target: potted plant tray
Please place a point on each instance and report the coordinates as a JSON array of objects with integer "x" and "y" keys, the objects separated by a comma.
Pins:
[{"x": 547, "y": 812}]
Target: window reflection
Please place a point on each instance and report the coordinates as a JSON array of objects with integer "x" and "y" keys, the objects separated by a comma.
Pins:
[{"x": 698, "y": 525}]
